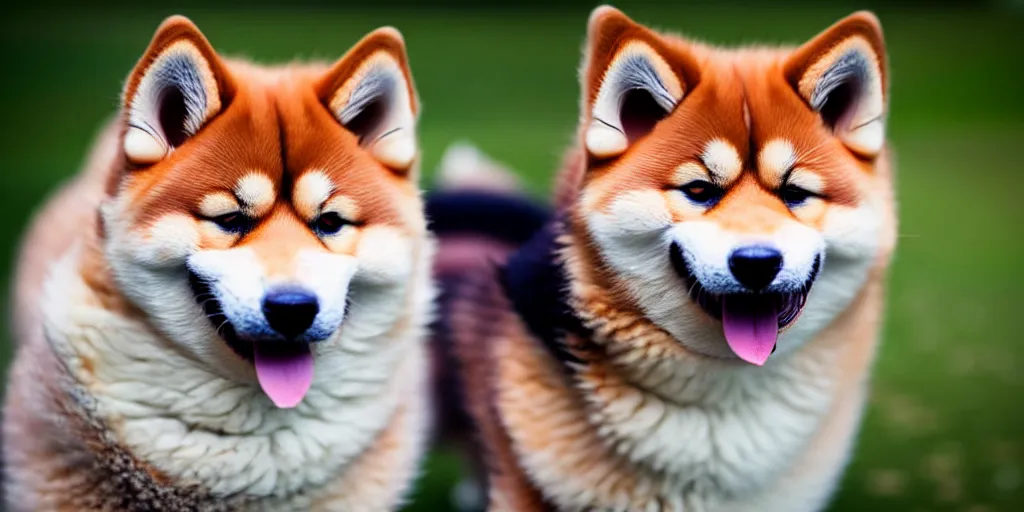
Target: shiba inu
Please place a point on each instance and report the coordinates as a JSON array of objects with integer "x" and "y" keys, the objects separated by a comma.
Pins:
[
  {"x": 227, "y": 308},
  {"x": 693, "y": 328}
]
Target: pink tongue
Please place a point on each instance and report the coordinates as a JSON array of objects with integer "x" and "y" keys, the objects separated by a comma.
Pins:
[
  {"x": 751, "y": 325},
  {"x": 285, "y": 373}
]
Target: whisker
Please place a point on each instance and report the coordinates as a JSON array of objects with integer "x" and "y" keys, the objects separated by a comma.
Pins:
[
  {"x": 695, "y": 284},
  {"x": 221, "y": 326}
]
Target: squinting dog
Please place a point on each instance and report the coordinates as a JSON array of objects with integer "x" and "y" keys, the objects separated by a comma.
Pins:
[
  {"x": 226, "y": 309},
  {"x": 694, "y": 326}
]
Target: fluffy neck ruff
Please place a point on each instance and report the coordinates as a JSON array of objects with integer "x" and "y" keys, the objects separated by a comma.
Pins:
[
  {"x": 224, "y": 437},
  {"x": 653, "y": 422}
]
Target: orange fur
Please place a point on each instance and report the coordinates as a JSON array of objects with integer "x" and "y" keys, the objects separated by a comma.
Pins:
[
  {"x": 262, "y": 130},
  {"x": 653, "y": 385}
]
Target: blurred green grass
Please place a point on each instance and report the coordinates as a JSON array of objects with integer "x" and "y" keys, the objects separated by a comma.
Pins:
[{"x": 945, "y": 426}]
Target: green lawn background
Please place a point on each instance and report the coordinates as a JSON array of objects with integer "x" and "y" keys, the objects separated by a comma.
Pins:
[{"x": 945, "y": 427}]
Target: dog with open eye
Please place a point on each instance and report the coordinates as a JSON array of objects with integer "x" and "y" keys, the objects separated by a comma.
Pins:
[
  {"x": 227, "y": 308},
  {"x": 693, "y": 327}
]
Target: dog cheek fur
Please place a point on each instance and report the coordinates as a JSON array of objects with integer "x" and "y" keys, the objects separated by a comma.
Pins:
[
  {"x": 853, "y": 239},
  {"x": 165, "y": 243},
  {"x": 137, "y": 379},
  {"x": 148, "y": 263},
  {"x": 633, "y": 238},
  {"x": 385, "y": 256},
  {"x": 629, "y": 237}
]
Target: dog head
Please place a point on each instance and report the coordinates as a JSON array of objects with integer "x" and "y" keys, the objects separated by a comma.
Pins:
[
  {"x": 258, "y": 213},
  {"x": 737, "y": 197}
]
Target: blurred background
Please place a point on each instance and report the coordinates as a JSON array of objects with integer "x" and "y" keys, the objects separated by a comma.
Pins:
[{"x": 945, "y": 425}]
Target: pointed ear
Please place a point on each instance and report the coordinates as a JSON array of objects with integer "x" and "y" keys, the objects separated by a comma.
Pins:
[
  {"x": 631, "y": 79},
  {"x": 842, "y": 75},
  {"x": 370, "y": 91},
  {"x": 178, "y": 85}
]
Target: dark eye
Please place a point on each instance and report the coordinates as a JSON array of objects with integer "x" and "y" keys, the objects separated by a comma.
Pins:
[
  {"x": 793, "y": 195},
  {"x": 234, "y": 222},
  {"x": 702, "y": 192},
  {"x": 329, "y": 223}
]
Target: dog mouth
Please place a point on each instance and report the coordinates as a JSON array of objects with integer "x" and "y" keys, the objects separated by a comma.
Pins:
[
  {"x": 284, "y": 369},
  {"x": 214, "y": 312},
  {"x": 751, "y": 321}
]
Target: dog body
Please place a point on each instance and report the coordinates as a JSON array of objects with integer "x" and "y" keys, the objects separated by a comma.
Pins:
[
  {"x": 693, "y": 329},
  {"x": 226, "y": 309}
]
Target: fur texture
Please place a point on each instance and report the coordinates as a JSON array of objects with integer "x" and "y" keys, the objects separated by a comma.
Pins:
[
  {"x": 595, "y": 366},
  {"x": 142, "y": 288}
]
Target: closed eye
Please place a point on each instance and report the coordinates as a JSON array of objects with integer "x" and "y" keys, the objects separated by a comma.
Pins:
[
  {"x": 234, "y": 222},
  {"x": 795, "y": 196},
  {"x": 702, "y": 192},
  {"x": 329, "y": 223}
]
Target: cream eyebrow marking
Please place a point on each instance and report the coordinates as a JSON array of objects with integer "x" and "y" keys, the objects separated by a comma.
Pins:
[
  {"x": 256, "y": 192},
  {"x": 776, "y": 161},
  {"x": 722, "y": 161},
  {"x": 310, "y": 192}
]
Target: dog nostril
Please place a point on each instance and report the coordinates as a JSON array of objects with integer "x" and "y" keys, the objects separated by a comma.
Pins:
[
  {"x": 755, "y": 266},
  {"x": 290, "y": 311}
]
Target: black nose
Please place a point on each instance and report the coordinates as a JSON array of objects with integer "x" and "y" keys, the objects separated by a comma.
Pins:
[
  {"x": 290, "y": 311},
  {"x": 755, "y": 266}
]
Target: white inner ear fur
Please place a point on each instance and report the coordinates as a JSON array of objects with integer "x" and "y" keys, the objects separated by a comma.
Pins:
[
  {"x": 180, "y": 66},
  {"x": 391, "y": 138},
  {"x": 862, "y": 127},
  {"x": 637, "y": 66}
]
